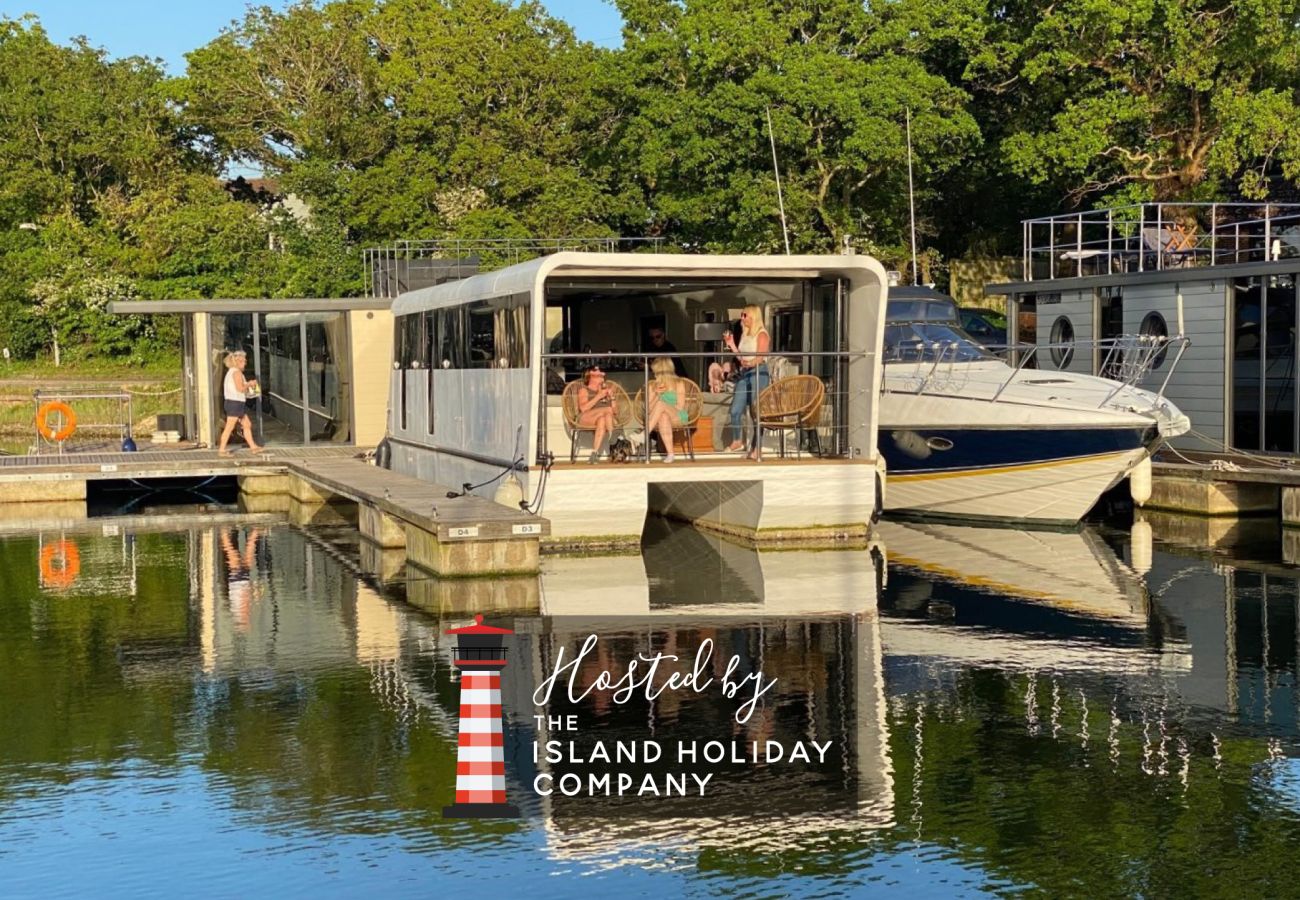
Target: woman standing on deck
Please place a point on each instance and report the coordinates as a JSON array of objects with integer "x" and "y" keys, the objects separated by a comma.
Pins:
[
  {"x": 754, "y": 375},
  {"x": 234, "y": 395}
]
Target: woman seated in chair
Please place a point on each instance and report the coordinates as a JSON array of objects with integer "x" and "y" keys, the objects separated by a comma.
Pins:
[
  {"x": 667, "y": 403},
  {"x": 596, "y": 408},
  {"x": 754, "y": 375}
]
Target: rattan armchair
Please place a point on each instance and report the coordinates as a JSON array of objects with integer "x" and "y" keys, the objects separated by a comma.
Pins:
[
  {"x": 693, "y": 404},
  {"x": 572, "y": 416},
  {"x": 791, "y": 404}
]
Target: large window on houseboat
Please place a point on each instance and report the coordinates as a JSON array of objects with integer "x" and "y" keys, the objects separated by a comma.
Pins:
[
  {"x": 486, "y": 334},
  {"x": 409, "y": 356},
  {"x": 1264, "y": 359}
]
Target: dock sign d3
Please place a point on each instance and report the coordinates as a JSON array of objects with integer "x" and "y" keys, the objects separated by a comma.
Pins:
[{"x": 480, "y": 655}]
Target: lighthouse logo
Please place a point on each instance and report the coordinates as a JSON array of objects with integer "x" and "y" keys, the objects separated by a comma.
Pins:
[{"x": 480, "y": 655}]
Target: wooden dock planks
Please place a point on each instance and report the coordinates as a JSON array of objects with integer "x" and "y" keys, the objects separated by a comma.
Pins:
[{"x": 421, "y": 503}]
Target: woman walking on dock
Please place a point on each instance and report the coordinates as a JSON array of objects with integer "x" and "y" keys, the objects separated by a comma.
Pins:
[{"x": 235, "y": 391}]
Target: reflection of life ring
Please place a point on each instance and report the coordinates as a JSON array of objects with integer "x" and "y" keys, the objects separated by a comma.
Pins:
[
  {"x": 43, "y": 421},
  {"x": 60, "y": 564}
]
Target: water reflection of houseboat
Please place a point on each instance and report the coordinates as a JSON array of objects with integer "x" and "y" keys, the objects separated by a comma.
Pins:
[
  {"x": 684, "y": 571},
  {"x": 484, "y": 366}
]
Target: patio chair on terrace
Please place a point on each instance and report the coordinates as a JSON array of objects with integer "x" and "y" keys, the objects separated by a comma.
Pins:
[
  {"x": 791, "y": 404},
  {"x": 693, "y": 404},
  {"x": 572, "y": 423}
]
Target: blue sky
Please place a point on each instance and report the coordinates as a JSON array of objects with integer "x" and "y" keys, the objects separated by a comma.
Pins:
[{"x": 170, "y": 29}]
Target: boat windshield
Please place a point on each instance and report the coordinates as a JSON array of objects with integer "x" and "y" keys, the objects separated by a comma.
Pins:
[
  {"x": 929, "y": 342},
  {"x": 908, "y": 309},
  {"x": 926, "y": 330}
]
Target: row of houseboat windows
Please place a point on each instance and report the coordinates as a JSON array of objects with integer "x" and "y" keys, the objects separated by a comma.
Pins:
[{"x": 487, "y": 334}]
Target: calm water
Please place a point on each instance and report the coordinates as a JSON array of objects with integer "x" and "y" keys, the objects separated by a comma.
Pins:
[{"x": 214, "y": 705}]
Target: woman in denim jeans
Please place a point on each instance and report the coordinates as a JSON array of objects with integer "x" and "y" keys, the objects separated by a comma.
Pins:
[{"x": 754, "y": 376}]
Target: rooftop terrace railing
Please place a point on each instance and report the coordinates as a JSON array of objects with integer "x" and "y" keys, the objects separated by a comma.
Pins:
[
  {"x": 1157, "y": 236},
  {"x": 402, "y": 266}
]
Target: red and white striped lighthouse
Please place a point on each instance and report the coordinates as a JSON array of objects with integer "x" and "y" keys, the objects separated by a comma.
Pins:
[{"x": 480, "y": 655}]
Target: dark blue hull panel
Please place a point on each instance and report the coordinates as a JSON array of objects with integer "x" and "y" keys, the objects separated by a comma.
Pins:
[{"x": 963, "y": 449}]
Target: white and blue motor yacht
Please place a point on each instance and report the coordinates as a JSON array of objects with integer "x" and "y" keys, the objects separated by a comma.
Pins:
[{"x": 966, "y": 435}]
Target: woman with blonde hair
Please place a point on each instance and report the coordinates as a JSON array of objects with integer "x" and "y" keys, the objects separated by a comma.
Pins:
[
  {"x": 667, "y": 403},
  {"x": 234, "y": 397},
  {"x": 754, "y": 375}
]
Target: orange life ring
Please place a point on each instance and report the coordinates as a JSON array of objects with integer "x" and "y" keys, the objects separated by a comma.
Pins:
[
  {"x": 60, "y": 564},
  {"x": 43, "y": 421}
]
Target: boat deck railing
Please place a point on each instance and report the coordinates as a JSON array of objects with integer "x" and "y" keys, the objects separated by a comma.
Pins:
[
  {"x": 1156, "y": 236},
  {"x": 392, "y": 269},
  {"x": 1126, "y": 360},
  {"x": 794, "y": 416}
]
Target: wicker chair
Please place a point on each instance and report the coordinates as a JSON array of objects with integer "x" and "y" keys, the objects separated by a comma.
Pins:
[
  {"x": 572, "y": 423},
  {"x": 694, "y": 405},
  {"x": 791, "y": 404}
]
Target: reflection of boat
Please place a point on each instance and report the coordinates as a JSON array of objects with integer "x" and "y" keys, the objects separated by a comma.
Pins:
[
  {"x": 967, "y": 436},
  {"x": 686, "y": 572},
  {"x": 1005, "y": 597},
  {"x": 1072, "y": 571}
]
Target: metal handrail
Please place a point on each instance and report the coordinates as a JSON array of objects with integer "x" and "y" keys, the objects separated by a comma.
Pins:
[
  {"x": 1119, "y": 236},
  {"x": 646, "y": 356},
  {"x": 514, "y": 250},
  {"x": 1131, "y": 369}
]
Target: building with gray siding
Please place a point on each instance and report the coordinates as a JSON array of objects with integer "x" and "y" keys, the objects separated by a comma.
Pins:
[{"x": 1222, "y": 275}]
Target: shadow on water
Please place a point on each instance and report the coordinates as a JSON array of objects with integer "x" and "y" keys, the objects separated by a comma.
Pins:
[{"x": 1072, "y": 713}]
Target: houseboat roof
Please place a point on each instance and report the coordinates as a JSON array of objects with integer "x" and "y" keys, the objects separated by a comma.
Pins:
[{"x": 527, "y": 276}]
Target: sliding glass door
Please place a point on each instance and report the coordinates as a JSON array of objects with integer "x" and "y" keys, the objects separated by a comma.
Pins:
[{"x": 1264, "y": 361}]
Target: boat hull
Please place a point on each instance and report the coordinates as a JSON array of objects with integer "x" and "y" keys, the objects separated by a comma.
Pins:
[{"x": 1045, "y": 476}]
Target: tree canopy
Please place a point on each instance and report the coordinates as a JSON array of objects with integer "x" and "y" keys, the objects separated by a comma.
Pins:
[{"x": 392, "y": 119}]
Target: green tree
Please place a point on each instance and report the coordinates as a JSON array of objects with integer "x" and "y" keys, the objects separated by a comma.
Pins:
[
  {"x": 1160, "y": 99},
  {"x": 411, "y": 118},
  {"x": 837, "y": 78},
  {"x": 75, "y": 125}
]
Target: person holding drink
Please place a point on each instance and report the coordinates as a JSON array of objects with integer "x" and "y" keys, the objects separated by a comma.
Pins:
[{"x": 235, "y": 392}]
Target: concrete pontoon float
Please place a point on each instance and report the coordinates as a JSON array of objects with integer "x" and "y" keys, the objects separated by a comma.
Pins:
[{"x": 483, "y": 367}]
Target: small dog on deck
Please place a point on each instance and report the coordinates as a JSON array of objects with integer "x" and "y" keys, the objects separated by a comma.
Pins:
[{"x": 620, "y": 450}]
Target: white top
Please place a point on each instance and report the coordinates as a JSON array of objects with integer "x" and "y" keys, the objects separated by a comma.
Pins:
[
  {"x": 749, "y": 344},
  {"x": 228, "y": 389}
]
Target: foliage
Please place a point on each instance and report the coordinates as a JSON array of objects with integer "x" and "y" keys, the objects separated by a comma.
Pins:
[
  {"x": 391, "y": 119},
  {"x": 838, "y": 80},
  {"x": 75, "y": 307},
  {"x": 106, "y": 193},
  {"x": 1163, "y": 99},
  {"x": 412, "y": 118}
]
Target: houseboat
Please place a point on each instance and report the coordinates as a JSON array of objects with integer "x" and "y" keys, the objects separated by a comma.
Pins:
[
  {"x": 1224, "y": 275},
  {"x": 489, "y": 369}
]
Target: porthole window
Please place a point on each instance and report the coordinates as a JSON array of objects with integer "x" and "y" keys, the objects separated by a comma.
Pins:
[
  {"x": 1153, "y": 326},
  {"x": 1062, "y": 341}
]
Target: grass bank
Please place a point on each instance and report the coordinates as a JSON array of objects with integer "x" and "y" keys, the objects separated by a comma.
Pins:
[{"x": 154, "y": 388}]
